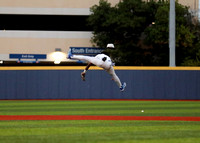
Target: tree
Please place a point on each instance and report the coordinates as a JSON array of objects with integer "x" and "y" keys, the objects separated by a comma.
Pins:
[
  {"x": 140, "y": 32},
  {"x": 193, "y": 53},
  {"x": 157, "y": 35},
  {"x": 121, "y": 25}
]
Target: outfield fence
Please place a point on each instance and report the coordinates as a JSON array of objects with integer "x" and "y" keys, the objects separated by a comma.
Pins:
[{"x": 65, "y": 83}]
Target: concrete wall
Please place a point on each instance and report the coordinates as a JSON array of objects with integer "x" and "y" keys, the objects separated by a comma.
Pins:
[
  {"x": 52, "y": 3},
  {"x": 44, "y": 42},
  {"x": 40, "y": 42},
  {"x": 65, "y": 83},
  {"x": 193, "y": 4}
]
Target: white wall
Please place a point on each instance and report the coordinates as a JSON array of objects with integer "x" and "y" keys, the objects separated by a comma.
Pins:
[{"x": 44, "y": 42}]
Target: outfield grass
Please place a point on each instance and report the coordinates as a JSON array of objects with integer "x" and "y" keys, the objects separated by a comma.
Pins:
[
  {"x": 100, "y": 131},
  {"x": 125, "y": 108}
]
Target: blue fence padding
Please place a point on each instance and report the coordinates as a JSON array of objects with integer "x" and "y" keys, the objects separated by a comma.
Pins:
[{"x": 67, "y": 84}]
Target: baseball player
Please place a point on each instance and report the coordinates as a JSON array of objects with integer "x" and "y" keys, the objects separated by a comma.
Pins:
[{"x": 102, "y": 61}]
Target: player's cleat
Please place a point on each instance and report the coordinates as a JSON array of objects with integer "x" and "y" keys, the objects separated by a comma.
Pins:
[
  {"x": 69, "y": 56},
  {"x": 123, "y": 86}
]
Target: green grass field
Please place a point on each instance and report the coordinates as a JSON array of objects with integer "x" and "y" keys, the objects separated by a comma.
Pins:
[{"x": 95, "y": 131}]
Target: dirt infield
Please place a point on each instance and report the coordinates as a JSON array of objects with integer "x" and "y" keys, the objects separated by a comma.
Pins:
[{"x": 79, "y": 117}]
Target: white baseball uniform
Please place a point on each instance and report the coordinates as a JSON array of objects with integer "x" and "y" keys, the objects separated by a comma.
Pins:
[{"x": 97, "y": 60}]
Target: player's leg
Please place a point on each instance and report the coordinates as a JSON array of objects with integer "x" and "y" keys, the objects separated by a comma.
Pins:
[
  {"x": 82, "y": 58},
  {"x": 79, "y": 57},
  {"x": 88, "y": 59},
  {"x": 111, "y": 71}
]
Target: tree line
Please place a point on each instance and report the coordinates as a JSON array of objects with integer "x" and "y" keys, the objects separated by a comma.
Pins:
[{"x": 140, "y": 32}]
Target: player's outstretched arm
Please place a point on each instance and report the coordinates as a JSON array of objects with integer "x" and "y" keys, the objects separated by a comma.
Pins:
[{"x": 84, "y": 72}]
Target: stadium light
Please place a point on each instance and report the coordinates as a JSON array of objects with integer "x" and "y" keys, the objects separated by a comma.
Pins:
[{"x": 58, "y": 56}]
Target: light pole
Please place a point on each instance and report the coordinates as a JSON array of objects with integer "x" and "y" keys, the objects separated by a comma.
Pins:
[{"x": 172, "y": 35}]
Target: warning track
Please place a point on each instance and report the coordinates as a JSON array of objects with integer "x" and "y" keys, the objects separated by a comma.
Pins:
[{"x": 84, "y": 117}]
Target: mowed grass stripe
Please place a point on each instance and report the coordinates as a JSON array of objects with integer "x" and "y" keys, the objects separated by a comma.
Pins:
[
  {"x": 92, "y": 123},
  {"x": 126, "y": 108},
  {"x": 100, "y": 108},
  {"x": 103, "y": 104},
  {"x": 108, "y": 113},
  {"x": 99, "y": 131},
  {"x": 98, "y": 104},
  {"x": 94, "y": 102}
]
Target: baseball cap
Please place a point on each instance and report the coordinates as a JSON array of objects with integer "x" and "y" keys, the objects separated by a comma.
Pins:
[{"x": 110, "y": 45}]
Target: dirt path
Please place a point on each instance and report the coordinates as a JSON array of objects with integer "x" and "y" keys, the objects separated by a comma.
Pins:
[{"x": 84, "y": 117}]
